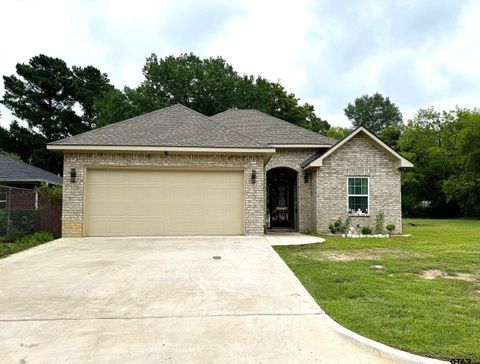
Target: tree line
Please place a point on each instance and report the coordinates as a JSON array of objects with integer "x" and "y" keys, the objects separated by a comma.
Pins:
[{"x": 56, "y": 101}]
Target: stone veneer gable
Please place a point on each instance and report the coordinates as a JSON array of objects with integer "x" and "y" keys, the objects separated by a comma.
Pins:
[
  {"x": 73, "y": 193},
  {"x": 358, "y": 157}
]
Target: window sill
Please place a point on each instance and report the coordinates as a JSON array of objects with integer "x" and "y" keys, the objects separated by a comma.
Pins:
[{"x": 358, "y": 215}]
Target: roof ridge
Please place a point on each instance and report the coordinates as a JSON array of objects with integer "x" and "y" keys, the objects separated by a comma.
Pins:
[
  {"x": 236, "y": 132},
  {"x": 111, "y": 124},
  {"x": 278, "y": 120},
  {"x": 229, "y": 109},
  {"x": 218, "y": 124},
  {"x": 184, "y": 112}
]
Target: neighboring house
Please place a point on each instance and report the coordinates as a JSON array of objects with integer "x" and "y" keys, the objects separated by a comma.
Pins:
[
  {"x": 175, "y": 171},
  {"x": 19, "y": 174},
  {"x": 23, "y": 176}
]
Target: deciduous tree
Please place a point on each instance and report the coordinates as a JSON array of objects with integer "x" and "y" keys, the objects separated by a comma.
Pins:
[{"x": 374, "y": 112}]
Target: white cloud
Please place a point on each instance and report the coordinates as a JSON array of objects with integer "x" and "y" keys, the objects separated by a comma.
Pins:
[{"x": 420, "y": 53}]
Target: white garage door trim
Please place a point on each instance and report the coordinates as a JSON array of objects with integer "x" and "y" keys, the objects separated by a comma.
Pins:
[{"x": 207, "y": 173}]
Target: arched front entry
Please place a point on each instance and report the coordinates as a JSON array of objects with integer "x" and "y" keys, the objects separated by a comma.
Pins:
[{"x": 281, "y": 198}]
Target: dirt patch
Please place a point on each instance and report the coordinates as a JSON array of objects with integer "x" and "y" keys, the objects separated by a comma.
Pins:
[
  {"x": 377, "y": 266},
  {"x": 360, "y": 254},
  {"x": 435, "y": 273},
  {"x": 337, "y": 257},
  {"x": 463, "y": 277},
  {"x": 432, "y": 274}
]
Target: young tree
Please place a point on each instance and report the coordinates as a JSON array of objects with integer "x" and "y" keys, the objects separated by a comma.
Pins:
[{"x": 374, "y": 113}]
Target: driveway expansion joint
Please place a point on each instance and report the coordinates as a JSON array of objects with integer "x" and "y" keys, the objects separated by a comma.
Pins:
[{"x": 161, "y": 317}]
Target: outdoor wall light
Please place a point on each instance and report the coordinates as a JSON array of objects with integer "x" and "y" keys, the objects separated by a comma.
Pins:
[
  {"x": 254, "y": 176},
  {"x": 73, "y": 175},
  {"x": 305, "y": 177}
]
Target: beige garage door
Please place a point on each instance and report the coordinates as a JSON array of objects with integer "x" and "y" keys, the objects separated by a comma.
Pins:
[{"x": 163, "y": 202}]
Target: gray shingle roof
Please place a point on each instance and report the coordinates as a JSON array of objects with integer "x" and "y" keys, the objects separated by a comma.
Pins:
[
  {"x": 173, "y": 126},
  {"x": 268, "y": 129},
  {"x": 16, "y": 171},
  {"x": 313, "y": 157}
]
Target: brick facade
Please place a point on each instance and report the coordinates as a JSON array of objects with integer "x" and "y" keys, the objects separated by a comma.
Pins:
[
  {"x": 292, "y": 158},
  {"x": 358, "y": 157},
  {"x": 73, "y": 193},
  {"x": 320, "y": 200}
]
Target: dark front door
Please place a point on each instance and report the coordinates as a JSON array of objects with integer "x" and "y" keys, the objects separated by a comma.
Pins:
[{"x": 281, "y": 201}]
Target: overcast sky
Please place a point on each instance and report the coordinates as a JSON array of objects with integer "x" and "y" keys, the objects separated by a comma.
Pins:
[{"x": 419, "y": 53}]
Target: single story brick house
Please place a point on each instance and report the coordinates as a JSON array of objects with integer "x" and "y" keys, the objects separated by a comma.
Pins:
[{"x": 175, "y": 171}]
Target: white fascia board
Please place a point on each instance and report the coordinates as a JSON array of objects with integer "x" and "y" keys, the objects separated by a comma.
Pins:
[{"x": 301, "y": 146}]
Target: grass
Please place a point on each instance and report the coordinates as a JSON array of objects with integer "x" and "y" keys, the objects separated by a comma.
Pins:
[
  {"x": 391, "y": 302},
  {"x": 25, "y": 242}
]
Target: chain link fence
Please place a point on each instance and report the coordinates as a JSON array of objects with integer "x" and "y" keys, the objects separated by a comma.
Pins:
[{"x": 24, "y": 211}]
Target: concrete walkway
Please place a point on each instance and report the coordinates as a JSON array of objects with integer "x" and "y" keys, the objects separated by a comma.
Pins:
[
  {"x": 291, "y": 239},
  {"x": 151, "y": 300}
]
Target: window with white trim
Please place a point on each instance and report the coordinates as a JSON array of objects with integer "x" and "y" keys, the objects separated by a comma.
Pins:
[{"x": 358, "y": 195}]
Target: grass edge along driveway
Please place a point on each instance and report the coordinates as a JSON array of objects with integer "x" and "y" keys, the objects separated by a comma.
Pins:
[{"x": 418, "y": 294}]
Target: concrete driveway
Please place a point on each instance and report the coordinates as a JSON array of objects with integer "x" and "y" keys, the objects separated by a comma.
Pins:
[{"x": 103, "y": 300}]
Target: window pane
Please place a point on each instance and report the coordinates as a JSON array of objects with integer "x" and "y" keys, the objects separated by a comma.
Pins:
[
  {"x": 356, "y": 203},
  {"x": 358, "y": 186},
  {"x": 364, "y": 188},
  {"x": 350, "y": 185}
]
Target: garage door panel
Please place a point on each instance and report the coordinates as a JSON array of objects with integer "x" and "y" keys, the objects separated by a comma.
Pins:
[
  {"x": 155, "y": 209},
  {"x": 98, "y": 177},
  {"x": 163, "y": 202}
]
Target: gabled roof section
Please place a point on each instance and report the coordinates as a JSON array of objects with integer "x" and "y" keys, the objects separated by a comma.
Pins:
[
  {"x": 175, "y": 126},
  {"x": 12, "y": 170},
  {"x": 317, "y": 162},
  {"x": 270, "y": 130}
]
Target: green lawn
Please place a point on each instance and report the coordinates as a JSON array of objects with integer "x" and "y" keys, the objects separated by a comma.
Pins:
[{"x": 391, "y": 302}]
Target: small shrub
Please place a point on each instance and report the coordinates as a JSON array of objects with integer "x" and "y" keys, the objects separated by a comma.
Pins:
[
  {"x": 390, "y": 228},
  {"x": 36, "y": 238},
  {"x": 21, "y": 222},
  {"x": 366, "y": 230},
  {"x": 339, "y": 226},
  {"x": 379, "y": 222},
  {"x": 53, "y": 193},
  {"x": 25, "y": 242}
]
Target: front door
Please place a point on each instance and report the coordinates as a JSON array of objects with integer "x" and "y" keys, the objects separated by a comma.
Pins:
[{"x": 281, "y": 201}]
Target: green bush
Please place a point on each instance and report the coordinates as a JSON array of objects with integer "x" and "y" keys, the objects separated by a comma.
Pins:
[
  {"x": 25, "y": 242},
  {"x": 36, "y": 238},
  {"x": 22, "y": 222},
  {"x": 339, "y": 226},
  {"x": 53, "y": 193},
  {"x": 390, "y": 228},
  {"x": 366, "y": 230}
]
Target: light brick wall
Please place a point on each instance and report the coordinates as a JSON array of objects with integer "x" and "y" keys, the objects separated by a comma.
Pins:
[
  {"x": 358, "y": 157},
  {"x": 292, "y": 158},
  {"x": 73, "y": 193}
]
